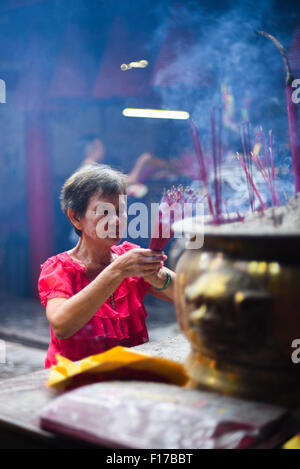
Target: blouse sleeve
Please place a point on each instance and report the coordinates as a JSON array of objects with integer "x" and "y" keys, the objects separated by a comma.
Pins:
[{"x": 54, "y": 281}]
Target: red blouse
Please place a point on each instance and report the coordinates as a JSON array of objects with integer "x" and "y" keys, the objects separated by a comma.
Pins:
[{"x": 61, "y": 276}]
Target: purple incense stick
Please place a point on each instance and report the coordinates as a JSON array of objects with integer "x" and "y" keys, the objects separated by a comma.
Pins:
[{"x": 292, "y": 112}]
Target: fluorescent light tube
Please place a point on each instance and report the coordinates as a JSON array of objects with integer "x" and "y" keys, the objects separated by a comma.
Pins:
[{"x": 155, "y": 113}]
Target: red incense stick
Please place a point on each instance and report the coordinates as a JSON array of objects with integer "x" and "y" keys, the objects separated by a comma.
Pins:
[
  {"x": 273, "y": 168},
  {"x": 200, "y": 158},
  {"x": 163, "y": 232},
  {"x": 249, "y": 178}
]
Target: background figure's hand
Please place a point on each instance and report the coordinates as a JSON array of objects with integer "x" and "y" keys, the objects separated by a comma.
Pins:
[
  {"x": 144, "y": 158},
  {"x": 139, "y": 263},
  {"x": 145, "y": 166},
  {"x": 148, "y": 159}
]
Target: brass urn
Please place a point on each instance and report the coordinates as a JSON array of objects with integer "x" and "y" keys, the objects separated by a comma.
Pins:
[{"x": 238, "y": 303}]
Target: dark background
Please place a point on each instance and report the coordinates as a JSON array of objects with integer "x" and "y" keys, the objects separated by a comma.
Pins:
[{"x": 60, "y": 60}]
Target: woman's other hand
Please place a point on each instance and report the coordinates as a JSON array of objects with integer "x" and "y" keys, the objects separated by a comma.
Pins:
[
  {"x": 159, "y": 280},
  {"x": 139, "y": 262}
]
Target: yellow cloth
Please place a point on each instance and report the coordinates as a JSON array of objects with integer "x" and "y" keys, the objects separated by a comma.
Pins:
[
  {"x": 293, "y": 443},
  {"x": 66, "y": 374}
]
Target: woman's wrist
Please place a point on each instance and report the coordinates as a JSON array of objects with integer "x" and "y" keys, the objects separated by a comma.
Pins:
[
  {"x": 164, "y": 278},
  {"x": 116, "y": 271}
]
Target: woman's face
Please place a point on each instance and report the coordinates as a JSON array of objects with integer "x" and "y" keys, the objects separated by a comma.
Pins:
[{"x": 105, "y": 218}]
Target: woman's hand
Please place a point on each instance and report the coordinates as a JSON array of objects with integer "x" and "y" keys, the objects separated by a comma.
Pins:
[
  {"x": 158, "y": 280},
  {"x": 139, "y": 262}
]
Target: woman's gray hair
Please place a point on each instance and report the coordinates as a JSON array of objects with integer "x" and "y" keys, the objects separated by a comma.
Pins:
[{"x": 87, "y": 181}]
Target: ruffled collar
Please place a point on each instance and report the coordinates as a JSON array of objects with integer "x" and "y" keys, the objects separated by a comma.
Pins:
[
  {"x": 67, "y": 260},
  {"x": 118, "y": 249},
  {"x": 122, "y": 289}
]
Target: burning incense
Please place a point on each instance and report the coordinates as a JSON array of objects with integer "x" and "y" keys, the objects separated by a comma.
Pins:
[
  {"x": 200, "y": 159},
  {"x": 268, "y": 174},
  {"x": 262, "y": 171},
  {"x": 174, "y": 198},
  {"x": 217, "y": 161},
  {"x": 215, "y": 210},
  {"x": 292, "y": 112},
  {"x": 265, "y": 152},
  {"x": 251, "y": 182},
  {"x": 267, "y": 171},
  {"x": 247, "y": 163},
  {"x": 274, "y": 178}
]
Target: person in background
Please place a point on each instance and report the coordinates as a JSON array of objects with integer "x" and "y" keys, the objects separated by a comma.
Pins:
[
  {"x": 93, "y": 151},
  {"x": 93, "y": 293}
]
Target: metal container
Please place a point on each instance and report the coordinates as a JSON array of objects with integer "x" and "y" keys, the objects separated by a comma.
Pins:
[{"x": 238, "y": 303}]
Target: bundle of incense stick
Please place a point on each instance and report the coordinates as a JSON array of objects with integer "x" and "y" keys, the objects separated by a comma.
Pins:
[
  {"x": 172, "y": 200},
  {"x": 252, "y": 187},
  {"x": 249, "y": 154},
  {"x": 267, "y": 169},
  {"x": 292, "y": 111}
]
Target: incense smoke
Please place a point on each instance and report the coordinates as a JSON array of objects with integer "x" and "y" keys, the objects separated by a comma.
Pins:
[{"x": 216, "y": 59}]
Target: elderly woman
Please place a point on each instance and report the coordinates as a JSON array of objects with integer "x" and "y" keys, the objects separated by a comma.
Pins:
[{"x": 93, "y": 294}]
